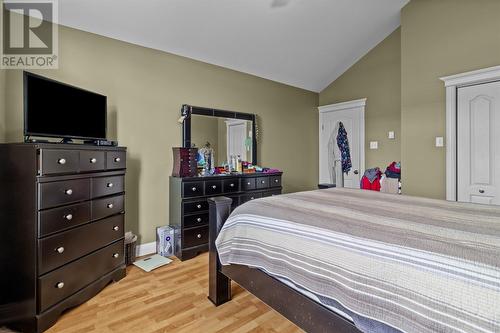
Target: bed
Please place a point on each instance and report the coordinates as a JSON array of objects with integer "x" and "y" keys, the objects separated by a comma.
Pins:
[{"x": 341, "y": 260}]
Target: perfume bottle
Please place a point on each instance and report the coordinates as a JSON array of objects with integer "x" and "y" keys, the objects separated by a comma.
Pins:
[{"x": 238, "y": 164}]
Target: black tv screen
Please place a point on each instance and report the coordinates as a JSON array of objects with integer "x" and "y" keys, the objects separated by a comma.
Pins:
[{"x": 55, "y": 109}]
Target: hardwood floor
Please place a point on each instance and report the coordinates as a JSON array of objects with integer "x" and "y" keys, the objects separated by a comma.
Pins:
[{"x": 170, "y": 299}]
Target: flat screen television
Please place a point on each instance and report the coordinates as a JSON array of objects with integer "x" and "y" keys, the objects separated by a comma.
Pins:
[{"x": 55, "y": 109}]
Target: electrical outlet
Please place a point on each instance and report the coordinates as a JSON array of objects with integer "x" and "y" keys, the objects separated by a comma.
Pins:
[
  {"x": 392, "y": 135},
  {"x": 439, "y": 141},
  {"x": 373, "y": 144}
]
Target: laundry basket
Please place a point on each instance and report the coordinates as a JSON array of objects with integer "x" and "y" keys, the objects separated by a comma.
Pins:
[{"x": 130, "y": 245}]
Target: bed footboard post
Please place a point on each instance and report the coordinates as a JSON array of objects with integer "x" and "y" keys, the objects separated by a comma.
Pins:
[{"x": 219, "y": 285}]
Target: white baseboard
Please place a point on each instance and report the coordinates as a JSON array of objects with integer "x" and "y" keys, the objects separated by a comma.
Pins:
[{"x": 145, "y": 249}]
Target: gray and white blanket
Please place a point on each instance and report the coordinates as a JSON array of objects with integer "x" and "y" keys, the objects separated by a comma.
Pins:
[{"x": 413, "y": 264}]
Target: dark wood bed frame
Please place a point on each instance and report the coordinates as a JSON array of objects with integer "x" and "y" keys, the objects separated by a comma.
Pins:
[{"x": 301, "y": 310}]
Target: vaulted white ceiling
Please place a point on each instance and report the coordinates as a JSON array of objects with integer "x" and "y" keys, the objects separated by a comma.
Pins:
[{"x": 303, "y": 43}]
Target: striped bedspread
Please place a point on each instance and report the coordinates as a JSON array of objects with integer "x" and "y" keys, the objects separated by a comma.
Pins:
[{"x": 414, "y": 264}]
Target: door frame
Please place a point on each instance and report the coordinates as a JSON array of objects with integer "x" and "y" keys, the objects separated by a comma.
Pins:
[
  {"x": 452, "y": 83},
  {"x": 357, "y": 105}
]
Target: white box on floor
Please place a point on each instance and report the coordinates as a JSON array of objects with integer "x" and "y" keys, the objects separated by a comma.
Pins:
[{"x": 165, "y": 241}]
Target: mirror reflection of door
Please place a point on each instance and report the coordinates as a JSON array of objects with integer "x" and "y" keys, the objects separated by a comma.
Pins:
[
  {"x": 236, "y": 139},
  {"x": 226, "y": 136}
]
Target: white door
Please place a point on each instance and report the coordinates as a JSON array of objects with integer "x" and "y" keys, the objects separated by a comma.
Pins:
[
  {"x": 236, "y": 137},
  {"x": 352, "y": 117},
  {"x": 478, "y": 144}
]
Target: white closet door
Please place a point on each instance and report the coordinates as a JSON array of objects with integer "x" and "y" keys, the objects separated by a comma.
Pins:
[
  {"x": 236, "y": 136},
  {"x": 478, "y": 142},
  {"x": 353, "y": 123}
]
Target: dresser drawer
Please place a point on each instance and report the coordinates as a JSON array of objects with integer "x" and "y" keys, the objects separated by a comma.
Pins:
[
  {"x": 59, "y": 219},
  {"x": 275, "y": 181},
  {"x": 107, "y": 207},
  {"x": 92, "y": 160},
  {"x": 262, "y": 182},
  {"x": 195, "y": 236},
  {"x": 195, "y": 206},
  {"x": 55, "y": 161},
  {"x": 195, "y": 220},
  {"x": 61, "y": 283},
  {"x": 63, "y": 192},
  {"x": 251, "y": 196},
  {"x": 104, "y": 186},
  {"x": 271, "y": 193},
  {"x": 192, "y": 189},
  {"x": 213, "y": 187},
  {"x": 231, "y": 185},
  {"x": 247, "y": 184},
  {"x": 116, "y": 160},
  {"x": 57, "y": 250}
]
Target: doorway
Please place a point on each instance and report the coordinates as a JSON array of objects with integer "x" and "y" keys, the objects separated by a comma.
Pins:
[
  {"x": 352, "y": 116},
  {"x": 478, "y": 144},
  {"x": 473, "y": 136}
]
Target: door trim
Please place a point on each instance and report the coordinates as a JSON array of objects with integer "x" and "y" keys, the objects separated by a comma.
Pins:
[
  {"x": 452, "y": 83},
  {"x": 357, "y": 104}
]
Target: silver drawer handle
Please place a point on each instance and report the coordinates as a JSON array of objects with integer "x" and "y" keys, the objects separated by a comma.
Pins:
[
  {"x": 193, "y": 189},
  {"x": 61, "y": 161},
  {"x": 198, "y": 206},
  {"x": 117, "y": 159},
  {"x": 231, "y": 185},
  {"x": 214, "y": 186},
  {"x": 109, "y": 185},
  {"x": 60, "y": 249},
  {"x": 93, "y": 160},
  {"x": 116, "y": 255},
  {"x": 251, "y": 198},
  {"x": 68, "y": 217},
  {"x": 248, "y": 183},
  {"x": 198, "y": 236},
  {"x": 116, "y": 228},
  {"x": 69, "y": 191},
  {"x": 276, "y": 181},
  {"x": 262, "y": 181},
  {"x": 110, "y": 205},
  {"x": 481, "y": 191},
  {"x": 198, "y": 219},
  {"x": 60, "y": 285}
]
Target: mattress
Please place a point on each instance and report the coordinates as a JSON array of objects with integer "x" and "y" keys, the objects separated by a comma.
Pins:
[{"x": 389, "y": 262}]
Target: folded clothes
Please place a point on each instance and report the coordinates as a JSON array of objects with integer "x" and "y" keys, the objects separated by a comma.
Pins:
[
  {"x": 394, "y": 167},
  {"x": 391, "y": 174},
  {"x": 272, "y": 170}
]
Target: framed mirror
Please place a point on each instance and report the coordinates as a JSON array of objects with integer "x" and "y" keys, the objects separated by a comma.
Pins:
[{"x": 226, "y": 132}]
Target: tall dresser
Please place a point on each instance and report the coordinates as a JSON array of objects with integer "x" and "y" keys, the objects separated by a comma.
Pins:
[
  {"x": 61, "y": 228},
  {"x": 189, "y": 206}
]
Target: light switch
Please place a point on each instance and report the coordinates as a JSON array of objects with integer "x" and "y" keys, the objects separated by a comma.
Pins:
[
  {"x": 373, "y": 144},
  {"x": 392, "y": 135},
  {"x": 439, "y": 141}
]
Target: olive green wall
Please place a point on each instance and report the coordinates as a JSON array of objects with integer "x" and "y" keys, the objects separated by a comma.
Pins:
[
  {"x": 377, "y": 77},
  {"x": 2, "y": 104},
  {"x": 146, "y": 89},
  {"x": 438, "y": 38}
]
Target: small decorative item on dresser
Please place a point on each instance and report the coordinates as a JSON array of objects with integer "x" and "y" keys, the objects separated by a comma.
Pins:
[{"x": 184, "y": 162}]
